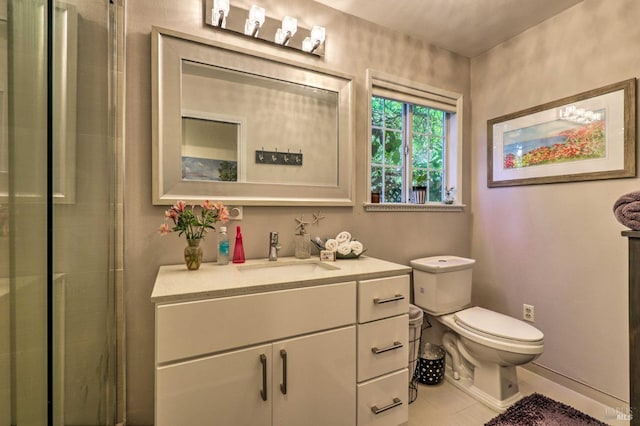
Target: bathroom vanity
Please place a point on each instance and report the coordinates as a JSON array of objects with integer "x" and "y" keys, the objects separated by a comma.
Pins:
[{"x": 289, "y": 342}]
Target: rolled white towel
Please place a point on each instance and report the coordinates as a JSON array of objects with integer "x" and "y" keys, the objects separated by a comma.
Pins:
[
  {"x": 344, "y": 248},
  {"x": 343, "y": 237},
  {"x": 356, "y": 247},
  {"x": 331, "y": 244}
]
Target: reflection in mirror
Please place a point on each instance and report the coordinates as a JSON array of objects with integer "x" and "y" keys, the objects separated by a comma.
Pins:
[
  {"x": 279, "y": 115},
  {"x": 210, "y": 149}
]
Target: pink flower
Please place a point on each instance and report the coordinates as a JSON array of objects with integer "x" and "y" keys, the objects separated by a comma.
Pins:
[
  {"x": 188, "y": 222},
  {"x": 164, "y": 229}
]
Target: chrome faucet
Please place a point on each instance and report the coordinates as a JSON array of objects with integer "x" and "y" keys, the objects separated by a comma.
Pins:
[{"x": 274, "y": 246}]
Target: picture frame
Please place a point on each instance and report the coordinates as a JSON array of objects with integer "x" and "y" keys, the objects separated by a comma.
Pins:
[{"x": 589, "y": 136}]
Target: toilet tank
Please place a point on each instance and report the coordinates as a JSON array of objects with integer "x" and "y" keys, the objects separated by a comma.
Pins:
[{"x": 442, "y": 284}]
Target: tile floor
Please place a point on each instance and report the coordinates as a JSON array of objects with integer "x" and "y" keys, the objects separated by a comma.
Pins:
[{"x": 446, "y": 405}]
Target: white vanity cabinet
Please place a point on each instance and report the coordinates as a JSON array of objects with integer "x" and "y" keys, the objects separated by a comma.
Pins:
[
  {"x": 301, "y": 381},
  {"x": 283, "y": 358},
  {"x": 383, "y": 357},
  {"x": 281, "y": 350}
]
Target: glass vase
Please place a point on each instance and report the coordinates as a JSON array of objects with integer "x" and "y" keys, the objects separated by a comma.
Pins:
[{"x": 193, "y": 254}]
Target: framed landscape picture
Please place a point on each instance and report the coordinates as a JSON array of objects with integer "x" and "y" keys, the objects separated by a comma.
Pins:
[{"x": 588, "y": 136}]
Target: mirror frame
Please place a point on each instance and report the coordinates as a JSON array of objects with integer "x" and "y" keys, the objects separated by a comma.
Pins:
[{"x": 169, "y": 48}]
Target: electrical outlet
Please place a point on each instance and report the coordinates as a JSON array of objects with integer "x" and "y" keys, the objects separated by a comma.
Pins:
[{"x": 528, "y": 313}]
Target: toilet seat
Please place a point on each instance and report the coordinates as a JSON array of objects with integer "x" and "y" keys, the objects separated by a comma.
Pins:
[{"x": 497, "y": 326}]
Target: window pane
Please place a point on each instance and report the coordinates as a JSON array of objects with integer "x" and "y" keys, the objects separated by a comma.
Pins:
[
  {"x": 377, "y": 105},
  {"x": 419, "y": 150},
  {"x": 376, "y": 179},
  {"x": 419, "y": 118},
  {"x": 435, "y": 186},
  {"x": 393, "y": 148},
  {"x": 436, "y": 122},
  {"x": 393, "y": 185},
  {"x": 376, "y": 146},
  {"x": 436, "y": 153},
  {"x": 392, "y": 114}
]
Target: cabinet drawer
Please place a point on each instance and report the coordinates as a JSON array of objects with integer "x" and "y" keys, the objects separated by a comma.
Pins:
[
  {"x": 382, "y": 346},
  {"x": 382, "y": 298},
  {"x": 194, "y": 328},
  {"x": 388, "y": 396}
]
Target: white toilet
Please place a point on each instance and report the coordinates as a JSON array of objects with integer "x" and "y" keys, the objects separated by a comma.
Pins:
[{"x": 484, "y": 347}]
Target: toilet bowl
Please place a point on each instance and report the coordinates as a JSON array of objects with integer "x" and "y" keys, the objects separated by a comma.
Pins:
[{"x": 483, "y": 347}]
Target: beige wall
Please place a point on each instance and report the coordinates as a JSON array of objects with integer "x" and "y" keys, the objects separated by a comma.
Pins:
[
  {"x": 557, "y": 246},
  {"x": 352, "y": 47}
]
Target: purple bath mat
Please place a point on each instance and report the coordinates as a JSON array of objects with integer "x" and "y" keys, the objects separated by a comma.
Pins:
[{"x": 539, "y": 410}]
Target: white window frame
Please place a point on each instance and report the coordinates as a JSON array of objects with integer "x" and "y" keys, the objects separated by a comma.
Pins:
[{"x": 391, "y": 87}]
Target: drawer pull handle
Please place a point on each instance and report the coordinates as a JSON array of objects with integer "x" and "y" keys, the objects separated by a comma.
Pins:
[
  {"x": 379, "y": 301},
  {"x": 263, "y": 391},
  {"x": 396, "y": 403},
  {"x": 283, "y": 385},
  {"x": 396, "y": 345}
]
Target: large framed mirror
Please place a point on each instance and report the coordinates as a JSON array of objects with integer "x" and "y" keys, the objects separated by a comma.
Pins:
[{"x": 248, "y": 129}]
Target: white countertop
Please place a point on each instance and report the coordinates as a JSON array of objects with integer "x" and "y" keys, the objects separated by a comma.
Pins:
[{"x": 176, "y": 283}]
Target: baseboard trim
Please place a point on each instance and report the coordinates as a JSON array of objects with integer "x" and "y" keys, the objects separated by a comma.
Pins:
[{"x": 577, "y": 386}]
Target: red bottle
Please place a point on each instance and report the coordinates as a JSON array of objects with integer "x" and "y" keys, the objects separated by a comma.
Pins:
[{"x": 238, "y": 249}]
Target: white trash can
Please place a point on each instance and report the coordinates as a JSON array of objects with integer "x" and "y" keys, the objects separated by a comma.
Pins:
[{"x": 415, "y": 333}]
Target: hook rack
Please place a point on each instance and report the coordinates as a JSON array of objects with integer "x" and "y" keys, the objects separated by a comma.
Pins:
[{"x": 281, "y": 158}]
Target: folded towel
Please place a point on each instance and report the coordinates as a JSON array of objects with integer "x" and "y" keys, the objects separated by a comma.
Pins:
[
  {"x": 344, "y": 248},
  {"x": 627, "y": 210},
  {"x": 331, "y": 244},
  {"x": 356, "y": 247}
]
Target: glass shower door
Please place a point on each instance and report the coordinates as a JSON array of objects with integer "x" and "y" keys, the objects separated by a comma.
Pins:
[{"x": 57, "y": 226}]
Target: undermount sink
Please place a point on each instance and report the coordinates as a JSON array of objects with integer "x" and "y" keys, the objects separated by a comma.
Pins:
[{"x": 287, "y": 267}]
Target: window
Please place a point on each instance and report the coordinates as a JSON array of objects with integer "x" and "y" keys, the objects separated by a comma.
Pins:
[
  {"x": 414, "y": 154},
  {"x": 407, "y": 151}
]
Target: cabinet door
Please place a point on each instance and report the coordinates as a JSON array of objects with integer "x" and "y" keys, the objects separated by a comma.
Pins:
[
  {"x": 221, "y": 390},
  {"x": 320, "y": 379}
]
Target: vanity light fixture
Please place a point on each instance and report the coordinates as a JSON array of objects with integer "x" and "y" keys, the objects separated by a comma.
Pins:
[
  {"x": 288, "y": 29},
  {"x": 315, "y": 40},
  {"x": 219, "y": 13},
  {"x": 255, "y": 21}
]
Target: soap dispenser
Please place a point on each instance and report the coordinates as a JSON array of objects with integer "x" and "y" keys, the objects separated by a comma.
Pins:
[
  {"x": 302, "y": 243},
  {"x": 238, "y": 249}
]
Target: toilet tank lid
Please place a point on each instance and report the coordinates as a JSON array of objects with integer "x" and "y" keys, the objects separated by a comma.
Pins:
[{"x": 437, "y": 264}]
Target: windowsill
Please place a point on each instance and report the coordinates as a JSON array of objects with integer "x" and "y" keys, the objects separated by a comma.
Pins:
[{"x": 407, "y": 207}]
